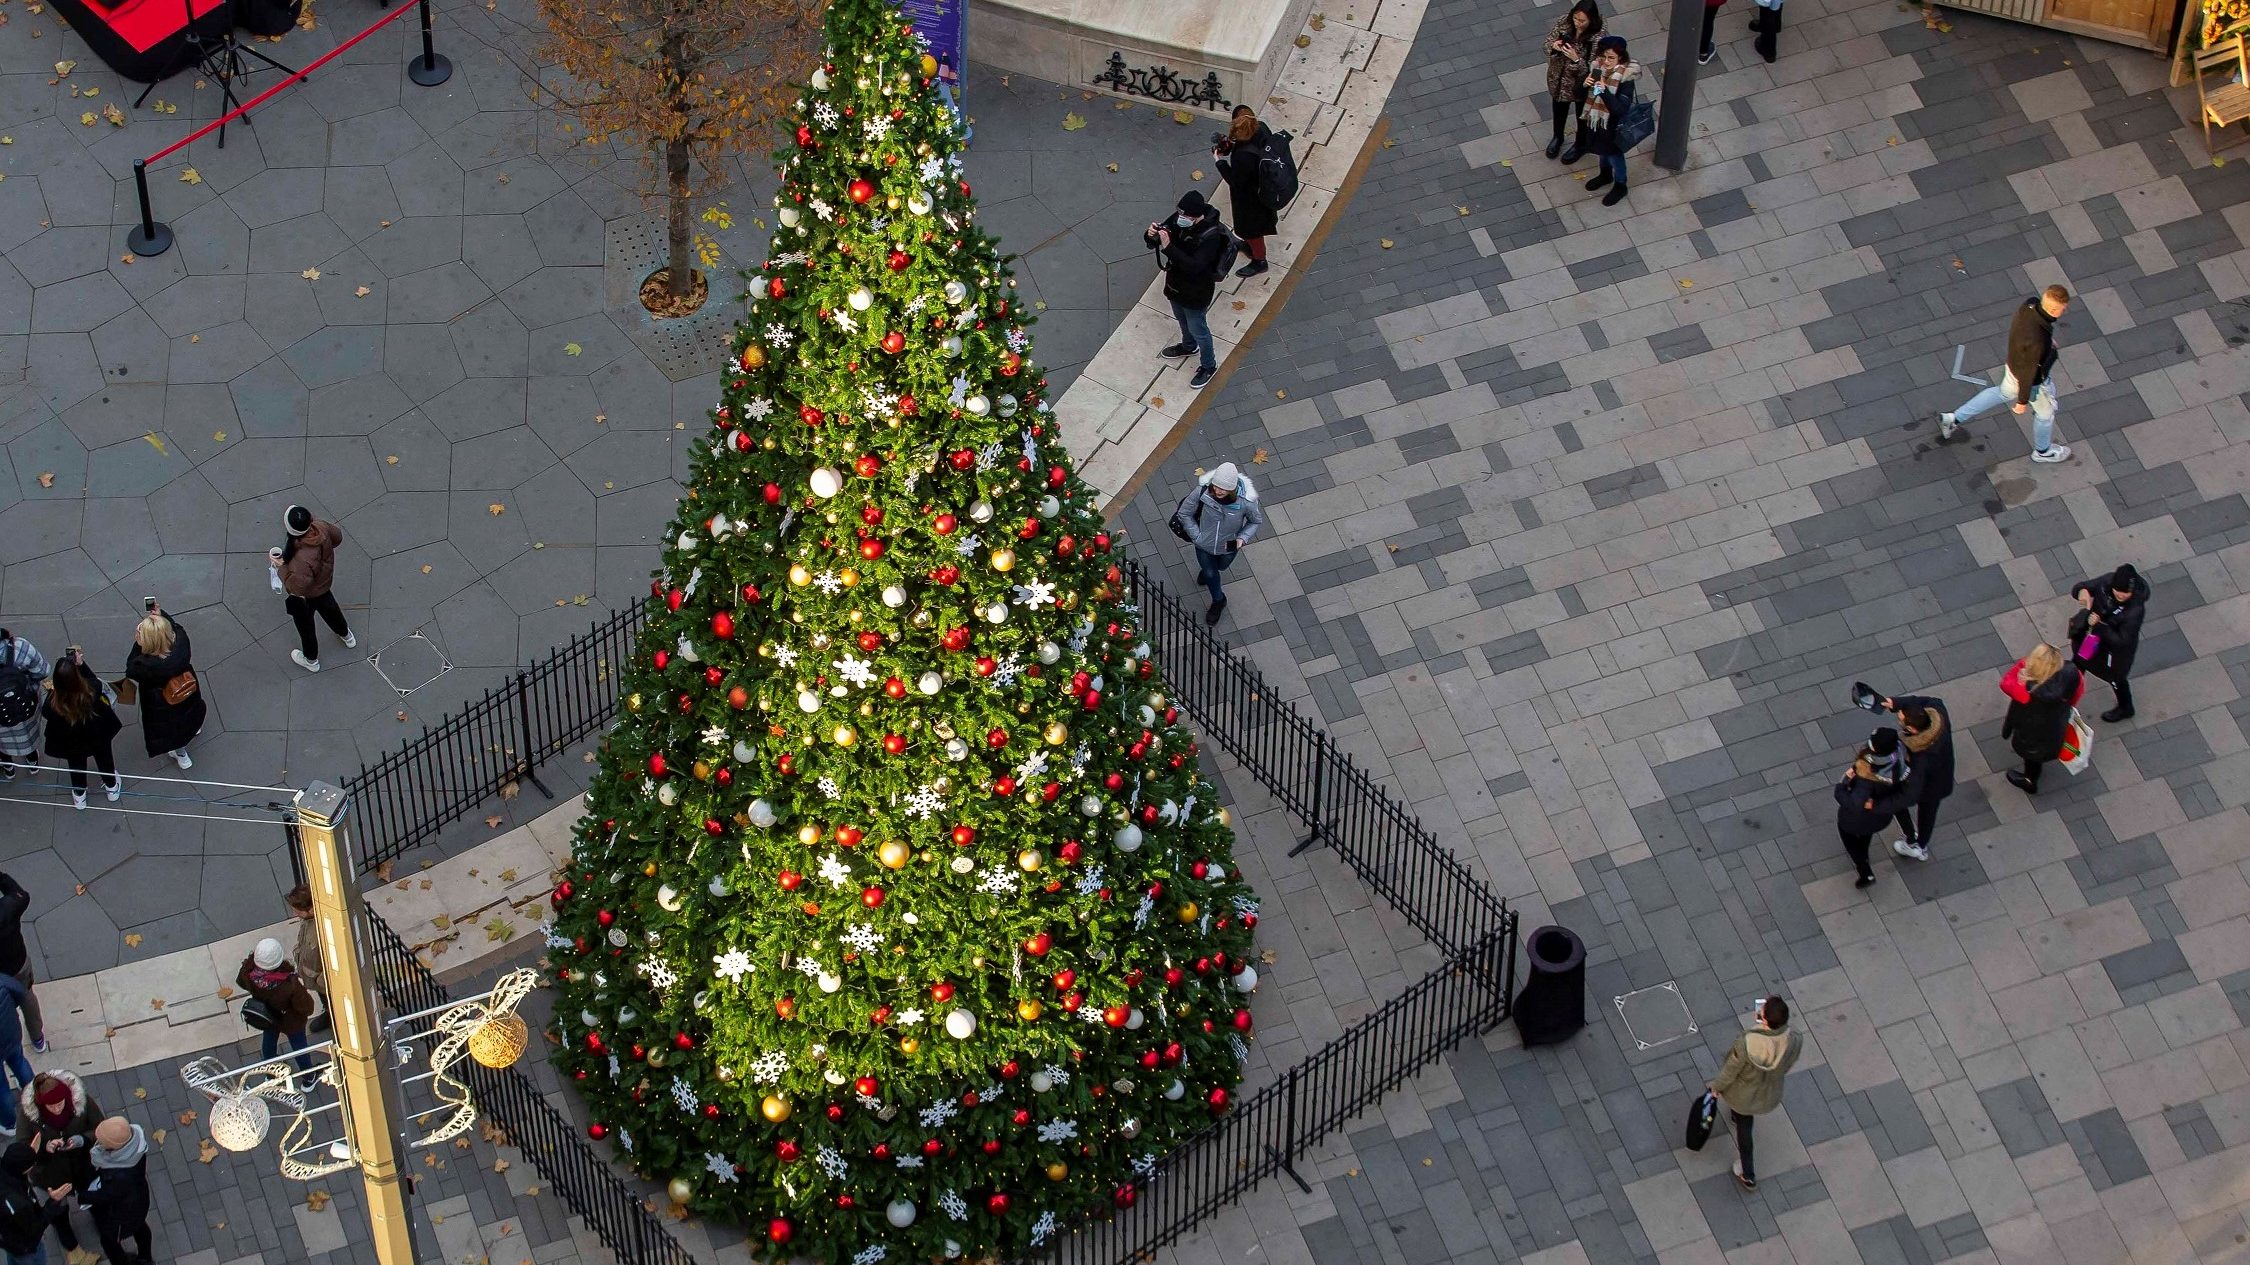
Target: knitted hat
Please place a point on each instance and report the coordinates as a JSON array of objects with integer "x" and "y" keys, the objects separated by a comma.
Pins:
[
  {"x": 1226, "y": 478},
  {"x": 299, "y": 520},
  {"x": 1611, "y": 43},
  {"x": 1192, "y": 202},
  {"x": 55, "y": 1101},
  {"x": 2123, "y": 577},
  {"x": 268, "y": 954},
  {"x": 114, "y": 1132},
  {"x": 1883, "y": 741}
]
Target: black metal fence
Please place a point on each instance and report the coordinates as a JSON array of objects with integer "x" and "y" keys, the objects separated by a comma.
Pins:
[
  {"x": 610, "y": 1207},
  {"x": 408, "y": 797}
]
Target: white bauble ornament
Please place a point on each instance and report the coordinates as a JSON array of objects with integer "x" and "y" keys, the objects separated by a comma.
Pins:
[
  {"x": 717, "y": 887},
  {"x": 997, "y": 612},
  {"x": 743, "y": 752},
  {"x": 1041, "y": 1082},
  {"x": 1049, "y": 652},
  {"x": 819, "y": 79},
  {"x": 900, "y": 1213},
  {"x": 860, "y": 299},
  {"x": 238, "y": 1122},
  {"x": 956, "y": 749},
  {"x": 1008, "y": 406},
  {"x": 808, "y": 702},
  {"x": 668, "y": 899},
  {"x": 588, "y": 1018},
  {"x": 1128, "y": 838},
  {"x": 918, "y": 202},
  {"x": 980, "y": 511},
  {"x": 1168, "y": 813},
  {"x": 929, "y": 683},
  {"x": 1091, "y": 806},
  {"x": 789, "y": 217},
  {"x": 826, "y": 482},
  {"x": 626, "y": 1014},
  {"x": 762, "y": 814},
  {"x": 894, "y": 596},
  {"x": 1247, "y": 979},
  {"x": 667, "y": 794},
  {"x": 829, "y": 983},
  {"x": 687, "y": 540},
  {"x": 977, "y": 405},
  {"x": 1216, "y": 872},
  {"x": 1148, "y": 715},
  {"x": 832, "y": 1076},
  {"x": 951, "y": 346},
  {"x": 687, "y": 651},
  {"x": 702, "y": 999},
  {"x": 960, "y": 1025},
  {"x": 1134, "y": 1020},
  {"x": 956, "y": 293},
  {"x": 1175, "y": 1091},
  {"x": 1049, "y": 506},
  {"x": 952, "y": 1249},
  {"x": 1130, "y": 1129},
  {"x": 962, "y": 865}
]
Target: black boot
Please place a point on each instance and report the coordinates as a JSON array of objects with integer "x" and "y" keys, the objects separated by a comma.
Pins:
[
  {"x": 1600, "y": 180},
  {"x": 1218, "y": 607},
  {"x": 2124, "y": 708},
  {"x": 2022, "y": 783},
  {"x": 1554, "y": 146}
]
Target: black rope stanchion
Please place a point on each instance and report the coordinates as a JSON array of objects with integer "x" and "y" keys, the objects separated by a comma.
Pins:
[
  {"x": 430, "y": 69},
  {"x": 148, "y": 237}
]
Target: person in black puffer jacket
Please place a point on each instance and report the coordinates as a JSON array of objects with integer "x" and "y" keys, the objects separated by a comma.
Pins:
[
  {"x": 1866, "y": 801},
  {"x": 2110, "y": 611},
  {"x": 118, "y": 1195},
  {"x": 1190, "y": 248},
  {"x": 2042, "y": 692}
]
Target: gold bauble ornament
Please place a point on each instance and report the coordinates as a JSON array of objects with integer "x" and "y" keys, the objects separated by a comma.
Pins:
[
  {"x": 649, "y": 870},
  {"x": 499, "y": 1041},
  {"x": 929, "y": 65},
  {"x": 844, "y": 736},
  {"x": 702, "y": 770},
  {"x": 798, "y": 575},
  {"x": 767, "y": 443},
  {"x": 1003, "y": 559},
  {"x": 1057, "y": 734},
  {"x": 1029, "y": 1009},
  {"x": 774, "y": 1108},
  {"x": 632, "y": 702},
  {"x": 908, "y": 1045},
  {"x": 849, "y": 576},
  {"x": 1028, "y": 860},
  {"x": 1057, "y": 1171},
  {"x": 753, "y": 357},
  {"x": 892, "y": 202},
  {"x": 894, "y": 855},
  {"x": 808, "y": 834},
  {"x": 1188, "y": 911}
]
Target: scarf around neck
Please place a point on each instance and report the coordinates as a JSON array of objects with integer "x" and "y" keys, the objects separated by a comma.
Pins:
[{"x": 1606, "y": 84}]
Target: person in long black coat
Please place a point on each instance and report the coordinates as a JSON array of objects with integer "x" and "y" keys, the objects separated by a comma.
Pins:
[
  {"x": 81, "y": 725},
  {"x": 1246, "y": 145},
  {"x": 2111, "y": 609},
  {"x": 1865, "y": 803},
  {"x": 2042, "y": 692},
  {"x": 1927, "y": 730},
  {"x": 159, "y": 658}
]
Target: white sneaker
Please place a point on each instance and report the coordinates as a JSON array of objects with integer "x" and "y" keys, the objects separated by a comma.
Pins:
[
  {"x": 115, "y": 789},
  {"x": 1947, "y": 426},
  {"x": 183, "y": 759},
  {"x": 78, "y": 800},
  {"x": 1910, "y": 850},
  {"x": 309, "y": 665},
  {"x": 2059, "y": 452},
  {"x": 350, "y": 640}
]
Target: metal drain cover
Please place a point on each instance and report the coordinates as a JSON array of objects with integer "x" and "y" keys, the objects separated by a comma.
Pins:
[
  {"x": 1656, "y": 1016},
  {"x": 682, "y": 347},
  {"x": 410, "y": 662}
]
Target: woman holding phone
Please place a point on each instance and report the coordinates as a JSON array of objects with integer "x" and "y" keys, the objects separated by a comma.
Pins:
[
  {"x": 161, "y": 669},
  {"x": 81, "y": 725},
  {"x": 1570, "y": 46}
]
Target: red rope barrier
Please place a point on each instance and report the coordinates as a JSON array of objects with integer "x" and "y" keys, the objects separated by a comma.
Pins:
[{"x": 244, "y": 108}]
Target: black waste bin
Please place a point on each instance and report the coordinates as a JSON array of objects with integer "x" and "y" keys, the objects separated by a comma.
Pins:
[{"x": 1551, "y": 1006}]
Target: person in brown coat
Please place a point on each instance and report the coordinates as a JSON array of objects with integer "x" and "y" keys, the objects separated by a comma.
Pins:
[
  {"x": 287, "y": 1005},
  {"x": 1570, "y": 49},
  {"x": 306, "y": 954},
  {"x": 307, "y": 565}
]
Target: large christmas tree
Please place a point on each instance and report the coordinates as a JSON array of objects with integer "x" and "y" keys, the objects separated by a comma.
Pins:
[{"x": 902, "y": 926}]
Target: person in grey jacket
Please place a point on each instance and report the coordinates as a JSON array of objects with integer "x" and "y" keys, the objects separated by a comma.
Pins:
[{"x": 1220, "y": 516}]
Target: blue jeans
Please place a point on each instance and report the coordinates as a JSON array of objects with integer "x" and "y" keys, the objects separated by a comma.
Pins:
[
  {"x": 1208, "y": 567},
  {"x": 1195, "y": 327},
  {"x": 1614, "y": 164},
  {"x": 269, "y": 1044},
  {"x": 36, "y": 1256},
  {"x": 19, "y": 1067},
  {"x": 2042, "y": 407}
]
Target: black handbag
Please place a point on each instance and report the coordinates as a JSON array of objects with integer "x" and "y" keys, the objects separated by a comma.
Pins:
[
  {"x": 260, "y": 1016},
  {"x": 1638, "y": 125},
  {"x": 1701, "y": 1116}
]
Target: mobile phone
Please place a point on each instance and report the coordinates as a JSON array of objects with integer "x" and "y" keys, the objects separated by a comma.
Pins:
[{"x": 148, "y": 603}]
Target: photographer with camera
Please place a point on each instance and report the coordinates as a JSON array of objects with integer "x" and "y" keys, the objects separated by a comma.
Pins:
[
  {"x": 22, "y": 668},
  {"x": 1193, "y": 249},
  {"x": 1240, "y": 152},
  {"x": 160, "y": 668},
  {"x": 81, "y": 725}
]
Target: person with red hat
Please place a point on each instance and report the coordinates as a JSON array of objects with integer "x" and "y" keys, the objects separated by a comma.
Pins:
[{"x": 62, "y": 1115}]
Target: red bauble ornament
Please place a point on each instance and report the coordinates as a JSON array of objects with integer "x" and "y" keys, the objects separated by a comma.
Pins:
[
  {"x": 682, "y": 1041},
  {"x": 867, "y": 1086},
  {"x": 804, "y": 141},
  {"x": 944, "y": 524},
  {"x": 786, "y": 1151},
  {"x": 1010, "y": 1069},
  {"x": 986, "y": 666},
  {"x": 656, "y": 765},
  {"x": 604, "y": 917},
  {"x": 1071, "y": 849},
  {"x": 835, "y": 1112},
  {"x": 963, "y": 836},
  {"x": 1056, "y": 475},
  {"x": 810, "y": 416},
  {"x": 1115, "y": 781},
  {"x": 1218, "y": 1100},
  {"x": 870, "y": 514},
  {"x": 1021, "y": 1118},
  {"x": 738, "y": 698},
  {"x": 785, "y": 1007},
  {"x": 997, "y": 739},
  {"x": 1242, "y": 1020},
  {"x": 946, "y": 574},
  {"x": 933, "y": 1147},
  {"x": 1115, "y": 1016},
  {"x": 893, "y": 744},
  {"x": 898, "y": 260},
  {"x": 1174, "y": 977},
  {"x": 714, "y": 827},
  {"x": 1173, "y": 1054},
  {"x": 872, "y": 897},
  {"x": 776, "y": 288},
  {"x": 789, "y": 879},
  {"x": 955, "y": 638},
  {"x": 563, "y": 891},
  {"x": 893, "y": 688},
  {"x": 1126, "y": 1195},
  {"x": 907, "y": 406},
  {"x": 882, "y": 1151},
  {"x": 712, "y": 676},
  {"x": 594, "y": 1042},
  {"x": 773, "y": 494},
  {"x": 846, "y": 1201},
  {"x": 660, "y": 658},
  {"x": 1072, "y": 1001},
  {"x": 779, "y": 1230},
  {"x": 722, "y": 627},
  {"x": 871, "y": 549},
  {"x": 941, "y": 991},
  {"x": 1149, "y": 1060},
  {"x": 673, "y": 599},
  {"x": 894, "y": 342},
  {"x": 597, "y": 1131},
  {"x": 963, "y": 460},
  {"x": 859, "y": 191},
  {"x": 1038, "y": 945},
  {"x": 1004, "y": 786},
  {"x": 1064, "y": 979}
]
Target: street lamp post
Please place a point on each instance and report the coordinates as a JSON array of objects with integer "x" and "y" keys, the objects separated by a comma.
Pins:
[{"x": 370, "y": 1097}]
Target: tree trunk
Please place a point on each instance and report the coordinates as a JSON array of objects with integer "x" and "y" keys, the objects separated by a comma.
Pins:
[{"x": 678, "y": 226}]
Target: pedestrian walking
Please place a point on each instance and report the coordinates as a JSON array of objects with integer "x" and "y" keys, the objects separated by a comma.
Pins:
[
  {"x": 1570, "y": 47},
  {"x": 1710, "y": 48},
  {"x": 2043, "y": 690},
  {"x": 1867, "y": 801},
  {"x": 280, "y": 1005},
  {"x": 118, "y": 1195},
  {"x": 22, "y": 668},
  {"x": 1927, "y": 730},
  {"x": 1219, "y": 517},
  {"x": 2105, "y": 634},
  {"x": 15, "y": 958},
  {"x": 306, "y": 953},
  {"x": 307, "y": 567},
  {"x": 1610, "y": 86},
  {"x": 1750, "y": 1080},
  {"x": 1765, "y": 23},
  {"x": 13, "y": 994},
  {"x": 2027, "y": 382},
  {"x": 1239, "y": 155},
  {"x": 57, "y": 1105},
  {"x": 162, "y": 670},
  {"x": 81, "y": 726},
  {"x": 23, "y": 1222},
  {"x": 1191, "y": 250}
]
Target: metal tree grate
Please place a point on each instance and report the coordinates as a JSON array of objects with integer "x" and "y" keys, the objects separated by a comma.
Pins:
[
  {"x": 681, "y": 347},
  {"x": 414, "y": 658},
  {"x": 1656, "y": 1016}
]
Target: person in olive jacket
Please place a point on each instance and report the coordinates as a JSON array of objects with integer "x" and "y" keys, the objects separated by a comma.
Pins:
[
  {"x": 307, "y": 566},
  {"x": 2110, "y": 612},
  {"x": 2042, "y": 692},
  {"x": 1749, "y": 1083},
  {"x": 161, "y": 666},
  {"x": 1190, "y": 247},
  {"x": 1238, "y": 156},
  {"x": 1866, "y": 801}
]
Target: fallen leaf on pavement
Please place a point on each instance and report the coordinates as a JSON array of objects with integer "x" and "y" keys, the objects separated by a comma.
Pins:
[
  {"x": 1304, "y": 41},
  {"x": 1073, "y": 121},
  {"x": 1462, "y": 209},
  {"x": 390, "y": 461},
  {"x": 1113, "y": 166},
  {"x": 1686, "y": 284},
  {"x": 494, "y": 821},
  {"x": 156, "y": 1003},
  {"x": 158, "y": 1137},
  {"x": 132, "y": 941},
  {"x": 601, "y": 419},
  {"x": 1260, "y": 457},
  {"x": 572, "y": 349},
  {"x": 81, "y": 890},
  {"x": 508, "y": 790},
  {"x": 218, "y": 437},
  {"x": 425, "y": 568},
  {"x": 383, "y": 871},
  {"x": 496, "y": 509},
  {"x": 363, "y": 291},
  {"x": 499, "y": 929},
  {"x": 226, "y": 992},
  {"x": 1388, "y": 243},
  {"x": 125, "y": 258},
  {"x": 1318, "y": 21},
  {"x": 1281, "y": 395},
  {"x": 317, "y": 1200},
  {"x": 1158, "y": 401},
  {"x": 402, "y": 715},
  {"x": 86, "y": 119},
  {"x": 310, "y": 274},
  {"x": 499, "y": 1166},
  {"x": 508, "y": 876},
  {"x": 1239, "y": 305},
  {"x": 64, "y": 67},
  {"x": 1182, "y": 117},
  {"x": 1196, "y": 174},
  {"x": 441, "y": 922},
  {"x": 206, "y": 1151},
  {"x": 115, "y": 116}
]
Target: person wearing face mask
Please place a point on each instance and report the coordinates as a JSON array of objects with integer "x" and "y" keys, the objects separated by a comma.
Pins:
[{"x": 1191, "y": 249}]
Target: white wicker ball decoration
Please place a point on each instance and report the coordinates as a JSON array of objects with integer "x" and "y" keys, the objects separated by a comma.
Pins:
[{"x": 238, "y": 1121}]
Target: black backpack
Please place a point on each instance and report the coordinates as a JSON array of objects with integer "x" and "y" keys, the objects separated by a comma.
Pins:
[
  {"x": 1277, "y": 173},
  {"x": 1179, "y": 523},
  {"x": 19, "y": 689},
  {"x": 22, "y": 1221},
  {"x": 1228, "y": 254}
]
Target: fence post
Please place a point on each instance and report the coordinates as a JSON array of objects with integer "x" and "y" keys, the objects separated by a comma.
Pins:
[
  {"x": 1316, "y": 812},
  {"x": 148, "y": 237},
  {"x": 527, "y": 759},
  {"x": 1286, "y": 1154},
  {"x": 430, "y": 69},
  {"x": 296, "y": 852}
]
